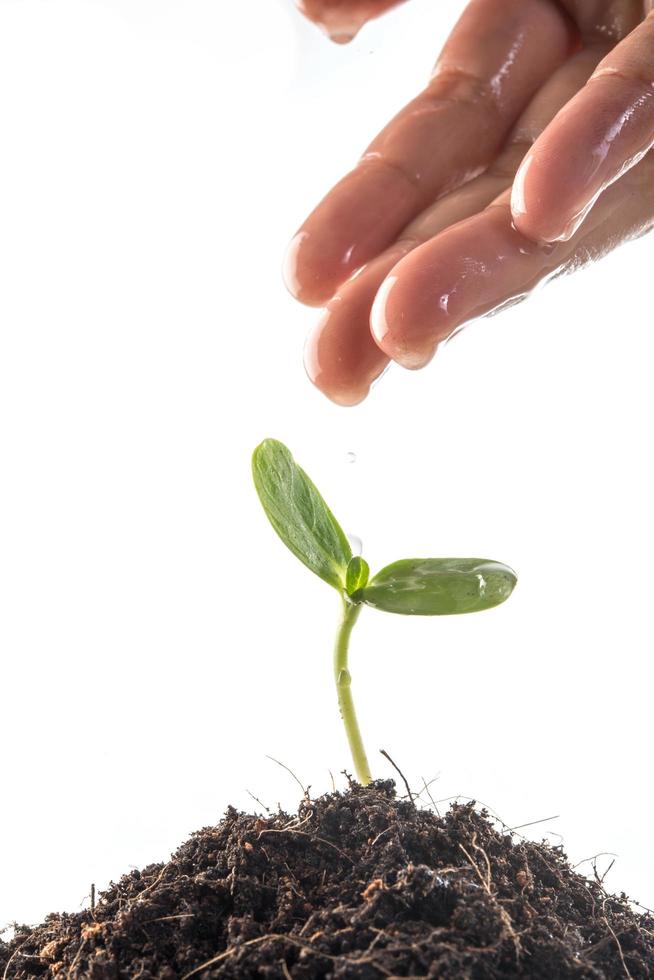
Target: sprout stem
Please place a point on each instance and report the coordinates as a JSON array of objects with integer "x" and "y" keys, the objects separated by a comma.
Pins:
[{"x": 344, "y": 688}]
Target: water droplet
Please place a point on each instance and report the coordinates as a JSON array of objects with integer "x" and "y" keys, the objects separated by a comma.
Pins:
[{"x": 356, "y": 544}]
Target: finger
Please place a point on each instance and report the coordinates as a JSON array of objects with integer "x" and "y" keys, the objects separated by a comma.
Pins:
[
  {"x": 342, "y": 20},
  {"x": 606, "y": 20},
  {"x": 484, "y": 263},
  {"x": 497, "y": 56},
  {"x": 596, "y": 138},
  {"x": 341, "y": 356}
]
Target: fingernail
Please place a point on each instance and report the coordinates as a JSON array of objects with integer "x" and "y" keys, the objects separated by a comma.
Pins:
[
  {"x": 378, "y": 322},
  {"x": 387, "y": 338},
  {"x": 518, "y": 203},
  {"x": 519, "y": 210},
  {"x": 289, "y": 267}
]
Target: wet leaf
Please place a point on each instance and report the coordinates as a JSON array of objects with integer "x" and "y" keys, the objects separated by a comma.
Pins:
[
  {"x": 298, "y": 513},
  {"x": 440, "y": 586}
]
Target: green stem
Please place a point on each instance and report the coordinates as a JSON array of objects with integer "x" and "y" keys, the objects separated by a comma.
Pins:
[{"x": 344, "y": 689}]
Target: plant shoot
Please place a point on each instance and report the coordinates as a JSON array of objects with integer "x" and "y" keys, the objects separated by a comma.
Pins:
[{"x": 411, "y": 586}]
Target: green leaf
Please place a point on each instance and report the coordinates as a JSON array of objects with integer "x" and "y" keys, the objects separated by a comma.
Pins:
[
  {"x": 440, "y": 586},
  {"x": 298, "y": 513},
  {"x": 357, "y": 575}
]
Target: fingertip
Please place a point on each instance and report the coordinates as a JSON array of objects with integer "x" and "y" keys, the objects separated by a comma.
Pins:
[
  {"x": 340, "y": 21},
  {"x": 300, "y": 275},
  {"x": 344, "y": 399},
  {"x": 529, "y": 213},
  {"x": 329, "y": 371},
  {"x": 340, "y": 357},
  {"x": 551, "y": 193},
  {"x": 343, "y": 37},
  {"x": 391, "y": 323},
  {"x": 383, "y": 326}
]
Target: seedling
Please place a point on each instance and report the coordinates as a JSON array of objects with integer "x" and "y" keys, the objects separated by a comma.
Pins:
[{"x": 411, "y": 587}]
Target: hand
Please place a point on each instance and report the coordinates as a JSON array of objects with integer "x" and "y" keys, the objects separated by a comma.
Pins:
[{"x": 434, "y": 220}]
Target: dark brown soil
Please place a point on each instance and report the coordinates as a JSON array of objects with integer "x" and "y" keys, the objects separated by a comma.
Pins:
[{"x": 356, "y": 885}]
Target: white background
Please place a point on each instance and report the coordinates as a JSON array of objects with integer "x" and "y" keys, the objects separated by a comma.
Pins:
[{"x": 156, "y": 639}]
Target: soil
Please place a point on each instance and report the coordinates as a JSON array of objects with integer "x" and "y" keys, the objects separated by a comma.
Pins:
[{"x": 357, "y": 884}]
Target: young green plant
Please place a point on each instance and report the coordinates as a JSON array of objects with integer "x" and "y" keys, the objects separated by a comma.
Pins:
[{"x": 411, "y": 587}]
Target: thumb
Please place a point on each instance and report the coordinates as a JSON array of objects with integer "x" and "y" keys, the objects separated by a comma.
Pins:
[{"x": 342, "y": 20}]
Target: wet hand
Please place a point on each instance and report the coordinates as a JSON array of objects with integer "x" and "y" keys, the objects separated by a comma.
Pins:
[{"x": 526, "y": 155}]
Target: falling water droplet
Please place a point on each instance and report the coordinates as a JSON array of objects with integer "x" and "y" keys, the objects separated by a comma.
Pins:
[{"x": 356, "y": 544}]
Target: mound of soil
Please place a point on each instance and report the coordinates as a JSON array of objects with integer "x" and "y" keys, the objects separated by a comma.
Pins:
[{"x": 356, "y": 885}]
